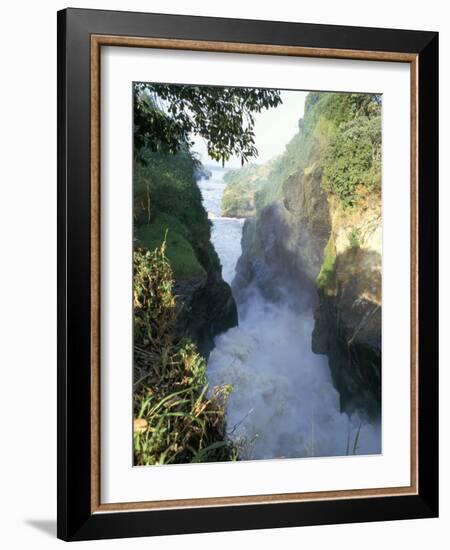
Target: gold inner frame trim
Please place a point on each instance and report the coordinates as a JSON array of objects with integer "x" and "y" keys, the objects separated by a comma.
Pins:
[{"x": 97, "y": 41}]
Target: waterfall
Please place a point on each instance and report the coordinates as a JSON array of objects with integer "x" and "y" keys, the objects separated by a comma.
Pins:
[{"x": 283, "y": 402}]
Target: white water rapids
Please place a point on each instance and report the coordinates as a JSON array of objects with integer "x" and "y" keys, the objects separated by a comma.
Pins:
[{"x": 283, "y": 402}]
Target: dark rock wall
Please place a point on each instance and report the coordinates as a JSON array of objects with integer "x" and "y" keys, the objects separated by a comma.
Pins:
[{"x": 207, "y": 308}]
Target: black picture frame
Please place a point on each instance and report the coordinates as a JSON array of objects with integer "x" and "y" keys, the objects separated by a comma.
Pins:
[{"x": 75, "y": 518}]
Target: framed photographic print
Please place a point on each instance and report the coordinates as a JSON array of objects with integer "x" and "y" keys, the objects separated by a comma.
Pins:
[{"x": 247, "y": 274}]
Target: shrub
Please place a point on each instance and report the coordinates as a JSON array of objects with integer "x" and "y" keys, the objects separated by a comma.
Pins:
[
  {"x": 354, "y": 237},
  {"x": 177, "y": 420},
  {"x": 353, "y": 158},
  {"x": 326, "y": 273}
]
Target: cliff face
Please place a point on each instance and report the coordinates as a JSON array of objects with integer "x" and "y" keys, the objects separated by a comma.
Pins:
[
  {"x": 348, "y": 316},
  {"x": 282, "y": 247},
  {"x": 338, "y": 262},
  {"x": 322, "y": 246},
  {"x": 206, "y": 308}
]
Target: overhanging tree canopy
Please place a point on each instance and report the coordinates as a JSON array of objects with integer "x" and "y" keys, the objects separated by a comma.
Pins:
[{"x": 167, "y": 115}]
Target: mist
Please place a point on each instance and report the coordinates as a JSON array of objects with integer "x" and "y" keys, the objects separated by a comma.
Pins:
[{"x": 283, "y": 402}]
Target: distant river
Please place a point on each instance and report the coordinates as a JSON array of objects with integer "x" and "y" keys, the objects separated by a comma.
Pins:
[{"x": 226, "y": 232}]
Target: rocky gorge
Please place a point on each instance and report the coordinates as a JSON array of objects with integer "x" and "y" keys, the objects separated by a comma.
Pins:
[
  {"x": 257, "y": 290},
  {"x": 308, "y": 238}
]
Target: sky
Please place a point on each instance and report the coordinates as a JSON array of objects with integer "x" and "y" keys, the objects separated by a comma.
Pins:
[{"x": 274, "y": 128}]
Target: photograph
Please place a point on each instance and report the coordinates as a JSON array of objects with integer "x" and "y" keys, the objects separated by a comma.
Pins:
[
  {"x": 247, "y": 259},
  {"x": 257, "y": 273}
]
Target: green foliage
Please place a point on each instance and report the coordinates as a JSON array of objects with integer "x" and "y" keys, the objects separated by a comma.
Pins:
[
  {"x": 354, "y": 237},
  {"x": 165, "y": 118},
  {"x": 340, "y": 135},
  {"x": 259, "y": 185},
  {"x": 343, "y": 133},
  {"x": 176, "y": 419},
  {"x": 326, "y": 273},
  {"x": 242, "y": 184},
  {"x": 340, "y": 107},
  {"x": 262, "y": 185},
  {"x": 352, "y": 158},
  {"x": 180, "y": 253},
  {"x": 166, "y": 183},
  {"x": 248, "y": 173},
  {"x": 166, "y": 115},
  {"x": 154, "y": 304},
  {"x": 166, "y": 196}
]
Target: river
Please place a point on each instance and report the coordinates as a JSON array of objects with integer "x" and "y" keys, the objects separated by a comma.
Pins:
[
  {"x": 226, "y": 232},
  {"x": 283, "y": 402}
]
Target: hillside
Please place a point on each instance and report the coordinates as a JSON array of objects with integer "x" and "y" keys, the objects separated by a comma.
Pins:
[{"x": 242, "y": 184}]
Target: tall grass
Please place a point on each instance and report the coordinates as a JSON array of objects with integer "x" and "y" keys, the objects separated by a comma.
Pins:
[
  {"x": 352, "y": 447},
  {"x": 177, "y": 418}
]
